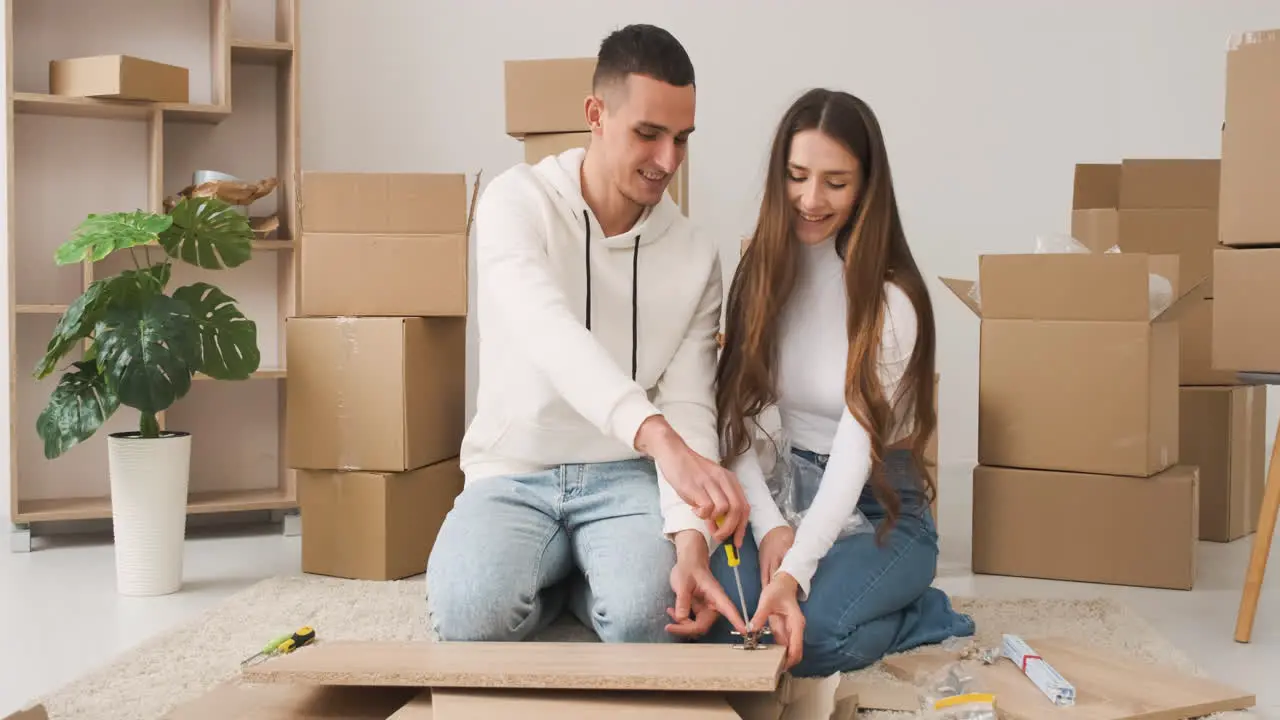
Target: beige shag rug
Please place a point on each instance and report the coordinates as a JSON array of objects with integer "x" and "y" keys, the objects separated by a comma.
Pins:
[{"x": 146, "y": 682}]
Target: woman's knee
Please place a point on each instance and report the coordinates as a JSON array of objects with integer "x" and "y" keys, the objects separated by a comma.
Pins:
[{"x": 829, "y": 654}]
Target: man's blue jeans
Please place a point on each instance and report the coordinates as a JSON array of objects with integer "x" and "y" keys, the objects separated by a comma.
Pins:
[
  {"x": 865, "y": 600},
  {"x": 514, "y": 551}
]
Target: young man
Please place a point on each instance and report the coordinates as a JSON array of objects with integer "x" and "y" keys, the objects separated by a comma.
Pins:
[{"x": 592, "y": 466}]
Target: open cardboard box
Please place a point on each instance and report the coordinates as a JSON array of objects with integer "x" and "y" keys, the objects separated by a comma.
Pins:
[{"x": 1075, "y": 372}]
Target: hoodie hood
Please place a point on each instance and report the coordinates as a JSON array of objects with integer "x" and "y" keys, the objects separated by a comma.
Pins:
[{"x": 562, "y": 176}]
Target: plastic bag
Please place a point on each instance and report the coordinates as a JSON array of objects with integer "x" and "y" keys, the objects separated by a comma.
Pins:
[
  {"x": 1159, "y": 288},
  {"x": 952, "y": 694},
  {"x": 793, "y": 482}
]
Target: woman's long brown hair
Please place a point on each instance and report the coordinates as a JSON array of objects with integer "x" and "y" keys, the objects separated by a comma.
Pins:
[{"x": 874, "y": 249}]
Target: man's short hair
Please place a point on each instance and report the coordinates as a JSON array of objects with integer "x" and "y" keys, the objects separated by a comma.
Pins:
[{"x": 643, "y": 50}]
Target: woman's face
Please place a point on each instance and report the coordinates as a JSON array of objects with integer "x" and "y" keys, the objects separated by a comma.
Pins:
[{"x": 822, "y": 183}]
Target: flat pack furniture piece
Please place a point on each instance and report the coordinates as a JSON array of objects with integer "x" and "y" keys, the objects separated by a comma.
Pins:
[
  {"x": 1266, "y": 528},
  {"x": 532, "y": 665},
  {"x": 677, "y": 681}
]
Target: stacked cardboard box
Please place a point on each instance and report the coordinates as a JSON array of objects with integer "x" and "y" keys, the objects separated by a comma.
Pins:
[
  {"x": 377, "y": 366},
  {"x": 1246, "y": 312},
  {"x": 546, "y": 110},
  {"x": 1078, "y": 438},
  {"x": 1171, "y": 205}
]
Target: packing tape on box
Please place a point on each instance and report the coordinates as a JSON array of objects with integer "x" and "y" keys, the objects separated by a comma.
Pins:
[
  {"x": 347, "y": 459},
  {"x": 1253, "y": 37}
]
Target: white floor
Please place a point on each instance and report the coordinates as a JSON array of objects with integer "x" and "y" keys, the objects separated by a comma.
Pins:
[{"x": 60, "y": 616}]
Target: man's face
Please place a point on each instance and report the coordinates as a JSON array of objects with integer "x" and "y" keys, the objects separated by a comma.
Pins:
[{"x": 644, "y": 129}]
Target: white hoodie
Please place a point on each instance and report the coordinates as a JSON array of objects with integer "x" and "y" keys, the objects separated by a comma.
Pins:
[{"x": 556, "y": 383}]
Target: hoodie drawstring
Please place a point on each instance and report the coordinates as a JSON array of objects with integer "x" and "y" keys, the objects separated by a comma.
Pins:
[{"x": 635, "y": 290}]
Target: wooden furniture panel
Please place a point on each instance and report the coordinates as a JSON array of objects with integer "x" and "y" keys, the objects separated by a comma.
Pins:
[
  {"x": 535, "y": 665},
  {"x": 472, "y": 704}
]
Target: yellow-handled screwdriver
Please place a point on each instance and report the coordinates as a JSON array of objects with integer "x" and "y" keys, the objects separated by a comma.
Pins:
[
  {"x": 284, "y": 644},
  {"x": 731, "y": 553}
]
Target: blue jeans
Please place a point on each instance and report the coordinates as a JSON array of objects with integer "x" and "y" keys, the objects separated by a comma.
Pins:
[
  {"x": 865, "y": 600},
  {"x": 515, "y": 551}
]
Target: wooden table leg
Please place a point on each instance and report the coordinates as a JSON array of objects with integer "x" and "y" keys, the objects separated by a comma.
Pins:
[{"x": 1261, "y": 547}]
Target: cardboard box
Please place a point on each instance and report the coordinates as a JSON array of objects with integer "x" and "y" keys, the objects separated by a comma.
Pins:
[
  {"x": 384, "y": 203},
  {"x": 547, "y": 96},
  {"x": 1169, "y": 183},
  {"x": 1154, "y": 206},
  {"x": 119, "y": 77},
  {"x": 366, "y": 274},
  {"x": 1074, "y": 373},
  {"x": 1246, "y": 310},
  {"x": 374, "y": 526},
  {"x": 1224, "y": 435},
  {"x": 1086, "y": 527},
  {"x": 540, "y": 145},
  {"x": 374, "y": 394},
  {"x": 1195, "y": 332},
  {"x": 1250, "y": 215},
  {"x": 1163, "y": 206}
]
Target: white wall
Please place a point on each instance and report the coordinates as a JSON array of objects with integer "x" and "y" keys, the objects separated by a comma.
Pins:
[{"x": 986, "y": 106}]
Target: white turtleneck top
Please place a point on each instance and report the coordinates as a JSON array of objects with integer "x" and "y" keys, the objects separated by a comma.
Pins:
[{"x": 812, "y": 353}]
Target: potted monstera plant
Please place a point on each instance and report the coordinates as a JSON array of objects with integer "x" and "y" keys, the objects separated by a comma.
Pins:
[{"x": 142, "y": 346}]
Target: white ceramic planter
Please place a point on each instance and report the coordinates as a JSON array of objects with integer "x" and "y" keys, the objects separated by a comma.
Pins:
[{"x": 149, "y": 480}]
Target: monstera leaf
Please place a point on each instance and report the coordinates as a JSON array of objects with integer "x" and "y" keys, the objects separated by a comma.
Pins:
[
  {"x": 100, "y": 235},
  {"x": 80, "y": 318},
  {"x": 78, "y": 406},
  {"x": 148, "y": 352},
  {"x": 208, "y": 233},
  {"x": 228, "y": 340}
]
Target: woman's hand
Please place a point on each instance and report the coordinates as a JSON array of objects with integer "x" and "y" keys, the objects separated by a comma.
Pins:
[
  {"x": 773, "y": 547},
  {"x": 781, "y": 609}
]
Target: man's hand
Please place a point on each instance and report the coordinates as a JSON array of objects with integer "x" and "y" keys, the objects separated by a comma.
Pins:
[
  {"x": 773, "y": 547},
  {"x": 779, "y": 606},
  {"x": 713, "y": 492},
  {"x": 699, "y": 598}
]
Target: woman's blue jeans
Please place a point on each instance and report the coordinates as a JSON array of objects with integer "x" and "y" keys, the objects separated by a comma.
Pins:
[{"x": 866, "y": 600}]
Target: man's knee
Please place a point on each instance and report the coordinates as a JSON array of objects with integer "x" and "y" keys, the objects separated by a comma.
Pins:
[
  {"x": 470, "y": 596},
  {"x": 475, "y": 606},
  {"x": 637, "y": 618},
  {"x": 632, "y": 607}
]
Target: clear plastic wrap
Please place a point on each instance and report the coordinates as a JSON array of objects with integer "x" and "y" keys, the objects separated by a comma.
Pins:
[
  {"x": 792, "y": 481},
  {"x": 1159, "y": 288},
  {"x": 952, "y": 694}
]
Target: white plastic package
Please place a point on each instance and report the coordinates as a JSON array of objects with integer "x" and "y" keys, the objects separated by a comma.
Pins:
[{"x": 793, "y": 482}]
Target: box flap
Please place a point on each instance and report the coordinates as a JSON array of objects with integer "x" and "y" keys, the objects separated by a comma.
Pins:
[
  {"x": 1097, "y": 185},
  {"x": 1074, "y": 286},
  {"x": 961, "y": 289}
]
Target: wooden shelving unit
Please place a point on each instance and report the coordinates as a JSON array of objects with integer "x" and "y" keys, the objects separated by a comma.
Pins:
[{"x": 247, "y": 126}]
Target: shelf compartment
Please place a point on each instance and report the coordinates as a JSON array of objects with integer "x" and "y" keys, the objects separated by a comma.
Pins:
[
  {"x": 66, "y": 106},
  {"x": 273, "y": 245},
  {"x": 39, "y": 309},
  {"x": 97, "y": 508},
  {"x": 261, "y": 374},
  {"x": 261, "y": 52}
]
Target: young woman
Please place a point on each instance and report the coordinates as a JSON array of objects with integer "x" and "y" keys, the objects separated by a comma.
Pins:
[{"x": 829, "y": 320}]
